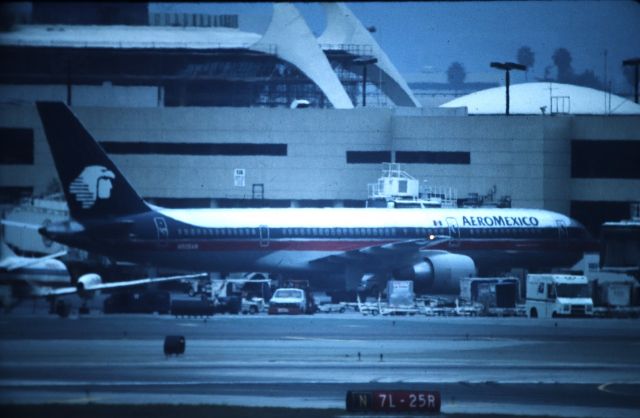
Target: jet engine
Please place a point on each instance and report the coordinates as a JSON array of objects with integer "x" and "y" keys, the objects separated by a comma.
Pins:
[
  {"x": 87, "y": 281},
  {"x": 440, "y": 272}
]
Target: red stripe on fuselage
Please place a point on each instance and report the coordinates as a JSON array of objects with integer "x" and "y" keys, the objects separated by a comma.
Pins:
[
  {"x": 351, "y": 245},
  {"x": 256, "y": 245}
]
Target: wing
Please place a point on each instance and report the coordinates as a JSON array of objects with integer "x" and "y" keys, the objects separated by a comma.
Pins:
[
  {"x": 379, "y": 256},
  {"x": 45, "y": 291},
  {"x": 138, "y": 282}
]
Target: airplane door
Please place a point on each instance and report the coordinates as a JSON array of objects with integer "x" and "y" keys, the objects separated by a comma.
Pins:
[
  {"x": 454, "y": 232},
  {"x": 563, "y": 233},
  {"x": 264, "y": 236},
  {"x": 161, "y": 228}
]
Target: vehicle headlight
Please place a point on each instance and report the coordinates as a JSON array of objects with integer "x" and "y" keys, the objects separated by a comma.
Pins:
[{"x": 566, "y": 308}]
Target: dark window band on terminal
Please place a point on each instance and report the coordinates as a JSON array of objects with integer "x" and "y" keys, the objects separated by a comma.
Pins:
[
  {"x": 16, "y": 146},
  {"x": 433, "y": 157},
  {"x": 182, "y": 148},
  {"x": 368, "y": 157},
  {"x": 611, "y": 159}
]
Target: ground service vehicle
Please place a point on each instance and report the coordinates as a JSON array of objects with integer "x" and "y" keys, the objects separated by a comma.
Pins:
[
  {"x": 288, "y": 301},
  {"x": 555, "y": 295}
]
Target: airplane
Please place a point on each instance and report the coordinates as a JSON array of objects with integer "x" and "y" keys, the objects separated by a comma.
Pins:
[
  {"x": 356, "y": 248},
  {"x": 47, "y": 277}
]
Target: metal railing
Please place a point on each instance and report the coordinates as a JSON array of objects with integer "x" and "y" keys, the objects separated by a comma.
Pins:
[
  {"x": 561, "y": 104},
  {"x": 193, "y": 19},
  {"x": 353, "y": 49}
]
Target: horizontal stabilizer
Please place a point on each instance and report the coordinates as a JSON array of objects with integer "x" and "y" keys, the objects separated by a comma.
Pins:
[{"x": 20, "y": 224}]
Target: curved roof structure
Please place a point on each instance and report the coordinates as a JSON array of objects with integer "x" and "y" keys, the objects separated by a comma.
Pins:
[
  {"x": 344, "y": 29},
  {"x": 287, "y": 38},
  {"x": 532, "y": 98},
  {"x": 295, "y": 43}
]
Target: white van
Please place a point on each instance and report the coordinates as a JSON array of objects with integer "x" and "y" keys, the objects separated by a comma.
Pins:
[
  {"x": 288, "y": 301},
  {"x": 555, "y": 295}
]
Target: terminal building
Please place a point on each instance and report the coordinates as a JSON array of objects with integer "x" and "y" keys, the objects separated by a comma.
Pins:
[{"x": 197, "y": 113}]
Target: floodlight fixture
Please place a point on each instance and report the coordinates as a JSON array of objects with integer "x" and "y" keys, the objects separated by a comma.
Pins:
[
  {"x": 364, "y": 60},
  {"x": 633, "y": 62},
  {"x": 507, "y": 67}
]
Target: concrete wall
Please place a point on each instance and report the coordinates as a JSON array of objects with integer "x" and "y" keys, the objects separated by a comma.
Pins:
[
  {"x": 104, "y": 95},
  {"x": 505, "y": 152},
  {"x": 527, "y": 157}
]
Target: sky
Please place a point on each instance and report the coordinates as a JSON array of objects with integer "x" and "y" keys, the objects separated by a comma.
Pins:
[{"x": 426, "y": 37}]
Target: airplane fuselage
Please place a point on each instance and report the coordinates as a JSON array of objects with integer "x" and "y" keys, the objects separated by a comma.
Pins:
[{"x": 292, "y": 240}]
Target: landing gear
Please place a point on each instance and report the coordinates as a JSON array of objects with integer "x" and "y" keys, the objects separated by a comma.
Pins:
[
  {"x": 61, "y": 308},
  {"x": 368, "y": 283}
]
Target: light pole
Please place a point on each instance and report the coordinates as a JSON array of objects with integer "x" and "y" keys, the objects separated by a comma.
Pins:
[
  {"x": 635, "y": 62},
  {"x": 508, "y": 66},
  {"x": 364, "y": 61}
]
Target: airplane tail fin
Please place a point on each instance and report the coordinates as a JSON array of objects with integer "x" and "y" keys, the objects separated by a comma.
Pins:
[{"x": 93, "y": 185}]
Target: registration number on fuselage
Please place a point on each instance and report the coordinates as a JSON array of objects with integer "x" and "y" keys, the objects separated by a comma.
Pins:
[{"x": 187, "y": 246}]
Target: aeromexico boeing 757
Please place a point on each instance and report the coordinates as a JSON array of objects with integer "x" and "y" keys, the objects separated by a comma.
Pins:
[{"x": 434, "y": 247}]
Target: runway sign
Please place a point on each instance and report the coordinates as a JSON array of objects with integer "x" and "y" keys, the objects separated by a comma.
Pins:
[{"x": 393, "y": 401}]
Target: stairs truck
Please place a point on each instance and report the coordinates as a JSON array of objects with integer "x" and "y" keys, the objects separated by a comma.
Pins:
[{"x": 558, "y": 295}]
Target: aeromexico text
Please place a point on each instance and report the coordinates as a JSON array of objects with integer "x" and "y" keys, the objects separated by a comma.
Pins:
[{"x": 500, "y": 221}]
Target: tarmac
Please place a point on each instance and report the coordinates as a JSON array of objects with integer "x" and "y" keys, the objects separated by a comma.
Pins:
[{"x": 516, "y": 366}]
